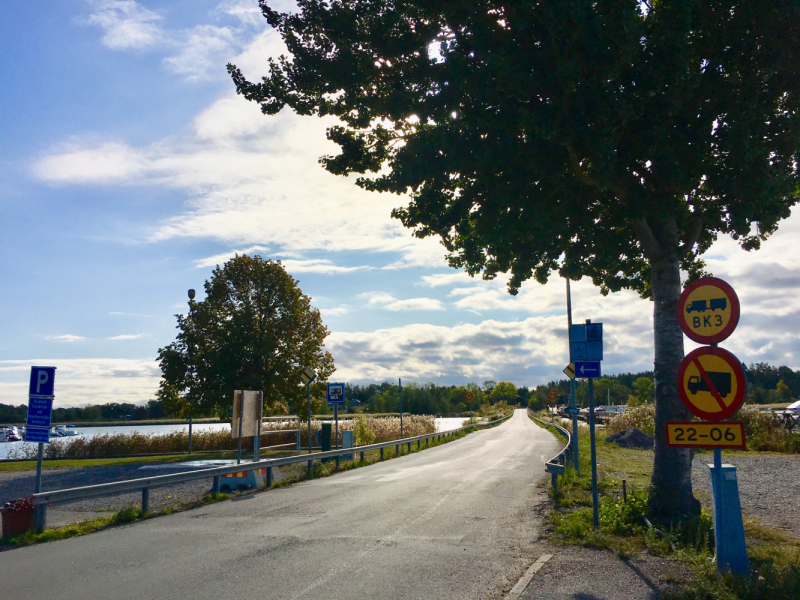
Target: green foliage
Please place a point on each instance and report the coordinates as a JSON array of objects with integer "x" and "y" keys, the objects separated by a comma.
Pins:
[
  {"x": 505, "y": 391},
  {"x": 645, "y": 388},
  {"x": 113, "y": 411},
  {"x": 363, "y": 434},
  {"x": 764, "y": 431},
  {"x": 623, "y": 517},
  {"x": 251, "y": 330}
]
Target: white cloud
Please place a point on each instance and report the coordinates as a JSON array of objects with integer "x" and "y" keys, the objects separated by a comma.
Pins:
[
  {"x": 84, "y": 381},
  {"x": 134, "y": 336},
  {"x": 391, "y": 303},
  {"x": 201, "y": 49},
  {"x": 126, "y": 24},
  {"x": 334, "y": 312},
  {"x": 66, "y": 338}
]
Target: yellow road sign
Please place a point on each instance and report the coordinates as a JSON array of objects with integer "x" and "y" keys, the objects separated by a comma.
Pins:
[
  {"x": 569, "y": 370},
  {"x": 711, "y": 383},
  {"x": 708, "y": 310},
  {"x": 694, "y": 434}
]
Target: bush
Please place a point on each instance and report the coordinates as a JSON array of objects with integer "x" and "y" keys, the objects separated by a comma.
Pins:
[
  {"x": 621, "y": 517},
  {"x": 764, "y": 431},
  {"x": 642, "y": 417}
]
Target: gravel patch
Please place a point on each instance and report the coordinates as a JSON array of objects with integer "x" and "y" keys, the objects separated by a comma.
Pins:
[{"x": 769, "y": 486}]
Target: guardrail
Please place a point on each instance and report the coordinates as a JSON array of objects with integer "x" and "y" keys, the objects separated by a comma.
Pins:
[
  {"x": 557, "y": 465},
  {"x": 145, "y": 484}
]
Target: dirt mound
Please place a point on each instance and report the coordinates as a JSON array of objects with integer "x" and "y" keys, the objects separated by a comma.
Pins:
[{"x": 631, "y": 438}]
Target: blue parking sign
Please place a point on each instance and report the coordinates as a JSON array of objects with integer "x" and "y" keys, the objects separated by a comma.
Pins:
[
  {"x": 335, "y": 393},
  {"x": 43, "y": 381}
]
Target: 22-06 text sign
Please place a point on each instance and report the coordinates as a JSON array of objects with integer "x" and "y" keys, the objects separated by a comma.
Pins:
[
  {"x": 711, "y": 383},
  {"x": 708, "y": 310},
  {"x": 706, "y": 435}
]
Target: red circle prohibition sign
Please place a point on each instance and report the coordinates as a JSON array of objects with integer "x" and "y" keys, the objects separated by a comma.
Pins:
[
  {"x": 716, "y": 383},
  {"x": 685, "y": 308}
]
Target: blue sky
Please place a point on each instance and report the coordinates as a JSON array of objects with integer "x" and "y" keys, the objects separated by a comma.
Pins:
[{"x": 129, "y": 168}]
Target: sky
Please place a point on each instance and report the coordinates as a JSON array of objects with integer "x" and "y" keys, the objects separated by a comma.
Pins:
[{"x": 129, "y": 168}]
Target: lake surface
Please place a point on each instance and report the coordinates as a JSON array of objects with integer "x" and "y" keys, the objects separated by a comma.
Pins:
[{"x": 8, "y": 449}]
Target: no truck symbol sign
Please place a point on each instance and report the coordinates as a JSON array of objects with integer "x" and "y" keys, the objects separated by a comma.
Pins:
[
  {"x": 708, "y": 310},
  {"x": 711, "y": 383}
]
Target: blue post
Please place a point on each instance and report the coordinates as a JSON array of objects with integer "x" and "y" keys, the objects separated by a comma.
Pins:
[{"x": 731, "y": 549}]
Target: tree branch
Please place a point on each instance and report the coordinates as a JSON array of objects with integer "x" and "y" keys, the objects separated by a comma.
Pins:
[
  {"x": 652, "y": 249},
  {"x": 695, "y": 229},
  {"x": 575, "y": 164}
]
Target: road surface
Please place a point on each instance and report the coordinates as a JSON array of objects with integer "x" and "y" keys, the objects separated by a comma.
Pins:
[{"x": 455, "y": 521}]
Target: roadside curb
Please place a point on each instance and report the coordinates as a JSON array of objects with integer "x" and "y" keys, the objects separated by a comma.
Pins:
[{"x": 517, "y": 590}]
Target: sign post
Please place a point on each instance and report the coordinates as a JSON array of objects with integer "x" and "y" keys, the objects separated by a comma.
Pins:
[
  {"x": 40, "y": 410},
  {"x": 586, "y": 351},
  {"x": 335, "y": 394},
  {"x": 569, "y": 371},
  {"x": 711, "y": 383}
]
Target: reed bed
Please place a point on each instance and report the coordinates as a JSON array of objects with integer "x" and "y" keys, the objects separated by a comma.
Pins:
[{"x": 368, "y": 430}]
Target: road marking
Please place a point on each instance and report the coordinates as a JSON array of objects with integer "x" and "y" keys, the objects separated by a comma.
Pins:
[{"x": 517, "y": 590}]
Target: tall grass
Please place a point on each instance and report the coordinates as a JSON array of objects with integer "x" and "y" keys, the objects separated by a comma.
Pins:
[{"x": 367, "y": 429}]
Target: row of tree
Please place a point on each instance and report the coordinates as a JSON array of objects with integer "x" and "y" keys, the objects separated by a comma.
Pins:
[{"x": 153, "y": 409}]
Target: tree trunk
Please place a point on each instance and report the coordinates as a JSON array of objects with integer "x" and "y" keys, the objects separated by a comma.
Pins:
[{"x": 671, "y": 497}]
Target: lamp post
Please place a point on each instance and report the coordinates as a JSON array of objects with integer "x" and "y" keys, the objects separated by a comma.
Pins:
[
  {"x": 308, "y": 376},
  {"x": 191, "y": 370}
]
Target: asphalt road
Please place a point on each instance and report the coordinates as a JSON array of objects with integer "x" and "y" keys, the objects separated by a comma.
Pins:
[{"x": 455, "y": 521}]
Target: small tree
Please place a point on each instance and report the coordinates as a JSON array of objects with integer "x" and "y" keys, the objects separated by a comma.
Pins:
[
  {"x": 644, "y": 388},
  {"x": 255, "y": 330}
]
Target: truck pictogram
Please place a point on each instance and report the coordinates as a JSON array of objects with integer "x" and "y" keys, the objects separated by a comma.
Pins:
[
  {"x": 702, "y": 305},
  {"x": 720, "y": 379}
]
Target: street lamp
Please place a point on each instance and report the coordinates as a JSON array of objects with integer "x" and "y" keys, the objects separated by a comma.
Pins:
[
  {"x": 308, "y": 376},
  {"x": 191, "y": 371}
]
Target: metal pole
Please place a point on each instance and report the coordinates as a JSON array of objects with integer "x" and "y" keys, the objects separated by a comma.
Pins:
[
  {"x": 336, "y": 421},
  {"x": 239, "y": 447},
  {"x": 572, "y": 388},
  {"x": 257, "y": 439},
  {"x": 39, "y": 455},
  {"x": 190, "y": 432},
  {"x": 718, "y": 526},
  {"x": 298, "y": 435},
  {"x": 595, "y": 513},
  {"x": 400, "y": 382},
  {"x": 308, "y": 395}
]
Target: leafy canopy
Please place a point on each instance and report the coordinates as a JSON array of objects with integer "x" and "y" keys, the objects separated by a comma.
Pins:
[
  {"x": 255, "y": 330},
  {"x": 608, "y": 135}
]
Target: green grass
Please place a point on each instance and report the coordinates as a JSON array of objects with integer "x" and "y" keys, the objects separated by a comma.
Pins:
[{"x": 774, "y": 554}]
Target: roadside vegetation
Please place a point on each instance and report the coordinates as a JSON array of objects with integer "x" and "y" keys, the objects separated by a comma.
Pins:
[{"x": 774, "y": 554}]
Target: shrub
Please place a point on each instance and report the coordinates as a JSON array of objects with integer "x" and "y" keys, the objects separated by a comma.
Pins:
[
  {"x": 642, "y": 417},
  {"x": 621, "y": 517}
]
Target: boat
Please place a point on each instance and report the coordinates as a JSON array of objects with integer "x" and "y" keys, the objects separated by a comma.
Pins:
[{"x": 63, "y": 430}]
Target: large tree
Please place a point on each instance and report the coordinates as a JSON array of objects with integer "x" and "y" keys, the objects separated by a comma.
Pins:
[
  {"x": 255, "y": 330},
  {"x": 614, "y": 139}
]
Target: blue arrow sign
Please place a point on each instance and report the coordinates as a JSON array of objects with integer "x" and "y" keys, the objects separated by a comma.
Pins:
[
  {"x": 587, "y": 369},
  {"x": 572, "y": 411}
]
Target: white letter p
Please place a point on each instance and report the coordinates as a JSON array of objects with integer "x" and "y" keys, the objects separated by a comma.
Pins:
[{"x": 42, "y": 378}]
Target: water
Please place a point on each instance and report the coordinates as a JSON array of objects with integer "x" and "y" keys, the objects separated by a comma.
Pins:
[{"x": 9, "y": 448}]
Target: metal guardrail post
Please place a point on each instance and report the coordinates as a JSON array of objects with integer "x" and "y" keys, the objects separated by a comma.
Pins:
[
  {"x": 362, "y": 457},
  {"x": 418, "y": 442},
  {"x": 397, "y": 450},
  {"x": 409, "y": 447},
  {"x": 381, "y": 453},
  {"x": 310, "y": 472},
  {"x": 269, "y": 477},
  {"x": 215, "y": 486},
  {"x": 338, "y": 462},
  {"x": 145, "y": 500},
  {"x": 40, "y": 518}
]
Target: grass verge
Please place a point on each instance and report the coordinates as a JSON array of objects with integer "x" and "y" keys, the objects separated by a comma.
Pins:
[{"x": 774, "y": 555}]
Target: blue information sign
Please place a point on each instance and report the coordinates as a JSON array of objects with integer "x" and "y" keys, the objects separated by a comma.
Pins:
[
  {"x": 587, "y": 369},
  {"x": 37, "y": 434},
  {"x": 572, "y": 411},
  {"x": 586, "y": 342},
  {"x": 335, "y": 393},
  {"x": 39, "y": 412},
  {"x": 43, "y": 381}
]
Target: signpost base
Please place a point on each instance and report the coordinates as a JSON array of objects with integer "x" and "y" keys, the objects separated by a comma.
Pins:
[{"x": 727, "y": 512}]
